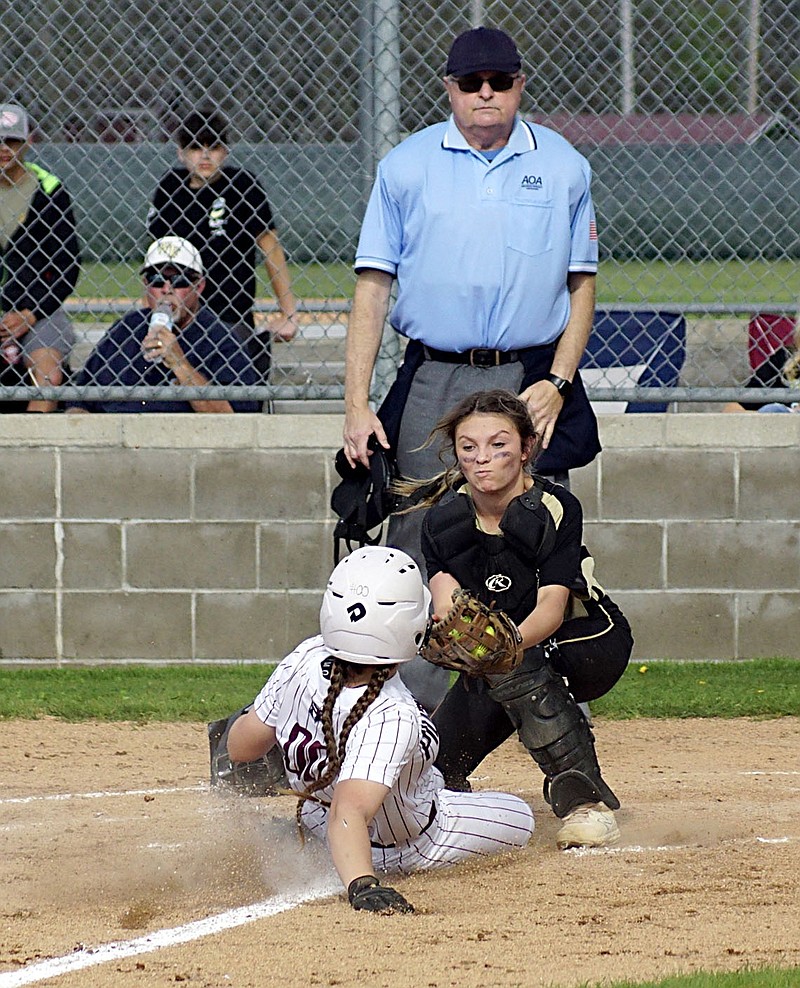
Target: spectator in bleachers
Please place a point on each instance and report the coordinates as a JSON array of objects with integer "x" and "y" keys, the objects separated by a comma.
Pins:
[
  {"x": 173, "y": 340},
  {"x": 39, "y": 259},
  {"x": 781, "y": 369},
  {"x": 224, "y": 211}
]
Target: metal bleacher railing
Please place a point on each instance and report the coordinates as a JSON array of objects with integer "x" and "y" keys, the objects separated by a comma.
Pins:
[
  {"x": 688, "y": 115},
  {"x": 310, "y": 369}
]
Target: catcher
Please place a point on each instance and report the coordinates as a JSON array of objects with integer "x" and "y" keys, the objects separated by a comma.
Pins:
[{"x": 514, "y": 541}]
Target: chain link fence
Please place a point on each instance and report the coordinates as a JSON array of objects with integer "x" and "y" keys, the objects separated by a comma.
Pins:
[{"x": 688, "y": 112}]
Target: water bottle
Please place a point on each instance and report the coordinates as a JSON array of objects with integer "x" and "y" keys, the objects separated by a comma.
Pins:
[
  {"x": 12, "y": 353},
  {"x": 161, "y": 317}
]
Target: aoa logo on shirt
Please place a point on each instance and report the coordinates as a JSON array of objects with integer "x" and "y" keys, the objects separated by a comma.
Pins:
[
  {"x": 532, "y": 183},
  {"x": 498, "y": 582}
]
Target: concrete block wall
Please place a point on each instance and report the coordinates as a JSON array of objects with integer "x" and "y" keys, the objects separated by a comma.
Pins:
[
  {"x": 202, "y": 538},
  {"x": 695, "y": 524},
  {"x": 162, "y": 538}
]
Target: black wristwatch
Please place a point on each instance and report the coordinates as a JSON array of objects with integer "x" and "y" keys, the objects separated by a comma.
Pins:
[{"x": 562, "y": 386}]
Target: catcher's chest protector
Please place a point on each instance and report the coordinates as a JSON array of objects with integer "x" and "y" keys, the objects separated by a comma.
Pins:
[{"x": 500, "y": 570}]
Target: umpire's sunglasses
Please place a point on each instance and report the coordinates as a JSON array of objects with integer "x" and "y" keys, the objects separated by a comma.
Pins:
[
  {"x": 500, "y": 83},
  {"x": 158, "y": 278}
]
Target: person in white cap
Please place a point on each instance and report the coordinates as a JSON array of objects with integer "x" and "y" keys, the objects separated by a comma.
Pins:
[
  {"x": 40, "y": 260},
  {"x": 223, "y": 209},
  {"x": 358, "y": 749},
  {"x": 172, "y": 340}
]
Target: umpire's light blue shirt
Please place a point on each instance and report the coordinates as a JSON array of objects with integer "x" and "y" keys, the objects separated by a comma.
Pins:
[{"x": 481, "y": 250}]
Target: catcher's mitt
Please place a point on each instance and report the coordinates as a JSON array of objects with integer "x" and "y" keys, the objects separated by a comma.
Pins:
[{"x": 473, "y": 638}]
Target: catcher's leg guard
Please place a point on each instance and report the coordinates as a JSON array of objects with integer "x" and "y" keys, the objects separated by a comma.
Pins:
[
  {"x": 554, "y": 731},
  {"x": 470, "y": 725}
]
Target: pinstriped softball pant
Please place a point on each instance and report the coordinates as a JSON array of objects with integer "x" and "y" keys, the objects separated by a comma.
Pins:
[{"x": 467, "y": 825}]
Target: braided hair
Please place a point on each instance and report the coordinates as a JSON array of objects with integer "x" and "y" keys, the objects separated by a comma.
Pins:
[{"x": 340, "y": 670}]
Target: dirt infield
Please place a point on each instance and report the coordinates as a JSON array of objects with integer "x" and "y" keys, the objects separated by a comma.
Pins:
[{"x": 108, "y": 834}]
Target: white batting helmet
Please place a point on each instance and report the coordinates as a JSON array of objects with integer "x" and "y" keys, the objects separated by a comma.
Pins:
[{"x": 375, "y": 607}]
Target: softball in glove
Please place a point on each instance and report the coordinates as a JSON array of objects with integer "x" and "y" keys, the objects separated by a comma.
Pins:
[{"x": 474, "y": 639}]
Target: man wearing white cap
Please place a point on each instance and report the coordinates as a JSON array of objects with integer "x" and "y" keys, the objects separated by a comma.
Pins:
[
  {"x": 173, "y": 340},
  {"x": 39, "y": 260}
]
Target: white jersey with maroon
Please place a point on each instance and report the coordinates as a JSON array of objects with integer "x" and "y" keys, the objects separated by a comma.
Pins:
[{"x": 394, "y": 743}]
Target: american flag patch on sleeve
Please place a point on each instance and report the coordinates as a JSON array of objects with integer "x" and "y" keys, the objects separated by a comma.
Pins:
[{"x": 592, "y": 230}]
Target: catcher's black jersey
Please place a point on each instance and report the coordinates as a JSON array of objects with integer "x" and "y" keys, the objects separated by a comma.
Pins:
[{"x": 540, "y": 546}]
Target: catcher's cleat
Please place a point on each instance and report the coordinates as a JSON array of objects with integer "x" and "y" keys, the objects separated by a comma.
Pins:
[{"x": 590, "y": 825}]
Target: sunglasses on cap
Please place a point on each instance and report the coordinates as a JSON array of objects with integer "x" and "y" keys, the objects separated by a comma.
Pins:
[
  {"x": 159, "y": 277},
  {"x": 500, "y": 83}
]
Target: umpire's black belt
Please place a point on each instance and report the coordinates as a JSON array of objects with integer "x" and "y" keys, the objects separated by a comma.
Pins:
[
  {"x": 428, "y": 825},
  {"x": 480, "y": 357}
]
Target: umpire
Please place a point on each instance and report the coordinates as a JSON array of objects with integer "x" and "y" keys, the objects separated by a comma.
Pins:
[{"x": 487, "y": 223}]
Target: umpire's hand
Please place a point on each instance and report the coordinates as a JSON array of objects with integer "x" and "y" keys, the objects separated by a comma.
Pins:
[
  {"x": 544, "y": 405},
  {"x": 359, "y": 426}
]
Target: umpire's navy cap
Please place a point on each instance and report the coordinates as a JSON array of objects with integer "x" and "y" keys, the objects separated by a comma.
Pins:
[{"x": 483, "y": 49}]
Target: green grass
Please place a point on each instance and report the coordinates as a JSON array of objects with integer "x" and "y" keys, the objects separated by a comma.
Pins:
[
  {"x": 760, "y": 688},
  {"x": 310, "y": 281},
  {"x": 719, "y": 282},
  {"x": 656, "y": 282},
  {"x": 137, "y": 693},
  {"x": 328, "y": 281},
  {"x": 766, "y": 978},
  {"x": 764, "y": 688}
]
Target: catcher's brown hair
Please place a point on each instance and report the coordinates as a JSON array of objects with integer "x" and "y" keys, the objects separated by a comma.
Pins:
[
  {"x": 340, "y": 670},
  {"x": 498, "y": 401}
]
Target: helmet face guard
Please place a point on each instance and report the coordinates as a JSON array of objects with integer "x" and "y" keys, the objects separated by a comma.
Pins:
[{"x": 375, "y": 608}]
